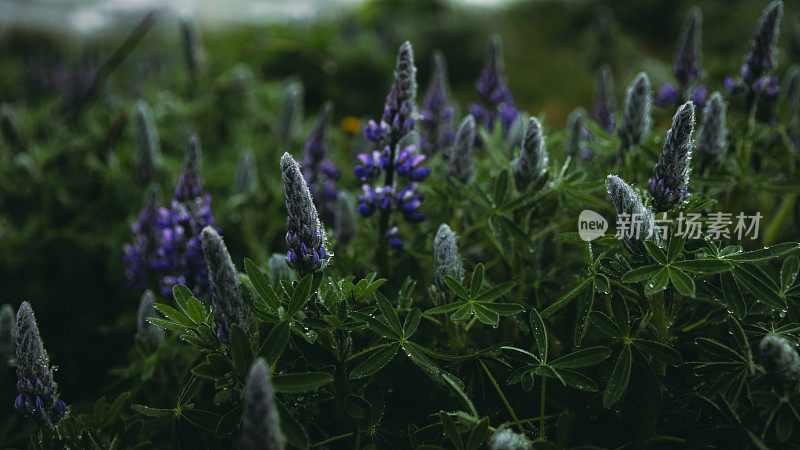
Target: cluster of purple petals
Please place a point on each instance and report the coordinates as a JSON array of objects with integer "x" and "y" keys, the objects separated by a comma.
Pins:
[
  {"x": 436, "y": 123},
  {"x": 756, "y": 72},
  {"x": 498, "y": 100},
  {"x": 138, "y": 255},
  {"x": 38, "y": 399},
  {"x": 320, "y": 173},
  {"x": 302, "y": 257},
  {"x": 670, "y": 95}
]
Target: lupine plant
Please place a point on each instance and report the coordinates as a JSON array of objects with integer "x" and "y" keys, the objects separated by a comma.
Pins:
[{"x": 619, "y": 278}]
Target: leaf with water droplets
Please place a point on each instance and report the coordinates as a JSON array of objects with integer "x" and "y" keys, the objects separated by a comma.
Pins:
[
  {"x": 618, "y": 382},
  {"x": 658, "y": 283},
  {"x": 539, "y": 333},
  {"x": 765, "y": 253}
]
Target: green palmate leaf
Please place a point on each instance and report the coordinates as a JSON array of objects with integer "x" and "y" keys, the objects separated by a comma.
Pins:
[
  {"x": 605, "y": 324},
  {"x": 175, "y": 315},
  {"x": 683, "y": 283},
  {"x": 208, "y": 370},
  {"x": 718, "y": 349},
  {"x": 477, "y": 281},
  {"x": 167, "y": 324},
  {"x": 416, "y": 353},
  {"x": 390, "y": 315},
  {"x": 500, "y": 188},
  {"x": 205, "y": 420},
  {"x": 478, "y": 435},
  {"x": 656, "y": 252},
  {"x": 619, "y": 311},
  {"x": 191, "y": 389},
  {"x": 450, "y": 430},
  {"x": 301, "y": 295},
  {"x": 733, "y": 295},
  {"x": 516, "y": 232},
  {"x": 261, "y": 284},
  {"x": 292, "y": 429},
  {"x": 539, "y": 333},
  {"x": 445, "y": 308},
  {"x": 640, "y": 274},
  {"x": 152, "y": 412},
  {"x": 374, "y": 363},
  {"x": 504, "y": 309},
  {"x": 658, "y": 283},
  {"x": 703, "y": 265},
  {"x": 618, "y": 382},
  {"x": 453, "y": 382},
  {"x": 456, "y": 287},
  {"x": 276, "y": 341},
  {"x": 789, "y": 269},
  {"x": 741, "y": 341},
  {"x": 659, "y": 351},
  {"x": 582, "y": 321},
  {"x": 764, "y": 254},
  {"x": 582, "y": 358},
  {"x": 577, "y": 380},
  {"x": 485, "y": 315},
  {"x": 495, "y": 292},
  {"x": 300, "y": 382},
  {"x": 561, "y": 302},
  {"x": 241, "y": 352},
  {"x": 228, "y": 422},
  {"x": 462, "y": 313},
  {"x": 190, "y": 305},
  {"x": 675, "y": 247},
  {"x": 411, "y": 323},
  {"x": 381, "y": 328},
  {"x": 759, "y": 287}
]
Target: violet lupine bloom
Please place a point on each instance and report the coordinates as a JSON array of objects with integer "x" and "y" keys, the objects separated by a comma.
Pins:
[
  {"x": 138, "y": 256},
  {"x": 498, "y": 100},
  {"x": 628, "y": 206},
  {"x": 686, "y": 68},
  {"x": 226, "y": 290},
  {"x": 320, "y": 173},
  {"x": 38, "y": 393},
  {"x": 755, "y": 75},
  {"x": 436, "y": 123},
  {"x": 603, "y": 103},
  {"x": 398, "y": 121},
  {"x": 308, "y": 252},
  {"x": 671, "y": 174},
  {"x": 179, "y": 257}
]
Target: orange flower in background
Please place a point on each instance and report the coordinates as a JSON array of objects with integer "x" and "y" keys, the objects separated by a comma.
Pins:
[{"x": 351, "y": 124}]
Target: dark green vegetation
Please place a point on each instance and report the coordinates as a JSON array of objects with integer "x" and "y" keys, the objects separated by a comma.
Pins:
[{"x": 572, "y": 343}]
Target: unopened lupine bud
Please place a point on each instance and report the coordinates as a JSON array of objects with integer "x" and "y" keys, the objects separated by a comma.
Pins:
[
  {"x": 226, "y": 290},
  {"x": 152, "y": 335},
  {"x": 192, "y": 47},
  {"x": 712, "y": 136},
  {"x": 190, "y": 184},
  {"x": 345, "y": 217},
  {"x": 780, "y": 361},
  {"x": 308, "y": 252},
  {"x": 246, "y": 173},
  {"x": 260, "y": 420},
  {"x": 291, "y": 112},
  {"x": 147, "y": 145},
  {"x": 530, "y": 165},
  {"x": 603, "y": 104},
  {"x": 505, "y": 438},
  {"x": 760, "y": 59},
  {"x": 436, "y": 124},
  {"x": 38, "y": 393},
  {"x": 671, "y": 174},
  {"x": 8, "y": 334},
  {"x": 575, "y": 143},
  {"x": 279, "y": 269},
  {"x": 636, "y": 116},
  {"x": 446, "y": 260},
  {"x": 461, "y": 154},
  {"x": 687, "y": 64},
  {"x": 634, "y": 220}
]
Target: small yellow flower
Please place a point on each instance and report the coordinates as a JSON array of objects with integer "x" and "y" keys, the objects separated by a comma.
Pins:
[{"x": 351, "y": 124}]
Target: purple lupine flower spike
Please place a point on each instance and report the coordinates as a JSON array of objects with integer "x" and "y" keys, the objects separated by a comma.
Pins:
[
  {"x": 260, "y": 421},
  {"x": 578, "y": 134},
  {"x": 461, "y": 154},
  {"x": 190, "y": 184},
  {"x": 308, "y": 252},
  {"x": 494, "y": 91},
  {"x": 38, "y": 393},
  {"x": 320, "y": 173},
  {"x": 138, "y": 255},
  {"x": 687, "y": 64},
  {"x": 399, "y": 112},
  {"x": 226, "y": 291},
  {"x": 671, "y": 174},
  {"x": 603, "y": 104},
  {"x": 436, "y": 123},
  {"x": 628, "y": 206},
  {"x": 712, "y": 136}
]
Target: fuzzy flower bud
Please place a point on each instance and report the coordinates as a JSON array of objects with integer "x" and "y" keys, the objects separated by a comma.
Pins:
[
  {"x": 38, "y": 393},
  {"x": 461, "y": 155},
  {"x": 246, "y": 173},
  {"x": 578, "y": 134},
  {"x": 190, "y": 184},
  {"x": 436, "y": 125},
  {"x": 687, "y": 64},
  {"x": 192, "y": 48},
  {"x": 636, "y": 118},
  {"x": 152, "y": 335},
  {"x": 306, "y": 239},
  {"x": 635, "y": 222},
  {"x": 530, "y": 165},
  {"x": 279, "y": 269},
  {"x": 446, "y": 260},
  {"x": 291, "y": 112},
  {"x": 603, "y": 104},
  {"x": 226, "y": 291},
  {"x": 260, "y": 420},
  {"x": 8, "y": 334},
  {"x": 345, "y": 217},
  {"x": 712, "y": 136},
  {"x": 781, "y": 361},
  {"x": 671, "y": 173},
  {"x": 505, "y": 438},
  {"x": 147, "y": 145}
]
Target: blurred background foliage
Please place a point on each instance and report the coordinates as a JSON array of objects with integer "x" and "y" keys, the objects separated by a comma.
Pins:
[{"x": 68, "y": 186}]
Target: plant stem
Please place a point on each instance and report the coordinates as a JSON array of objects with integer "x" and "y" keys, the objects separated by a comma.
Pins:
[
  {"x": 500, "y": 393},
  {"x": 541, "y": 408},
  {"x": 332, "y": 439},
  {"x": 661, "y": 323},
  {"x": 383, "y": 224}
]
